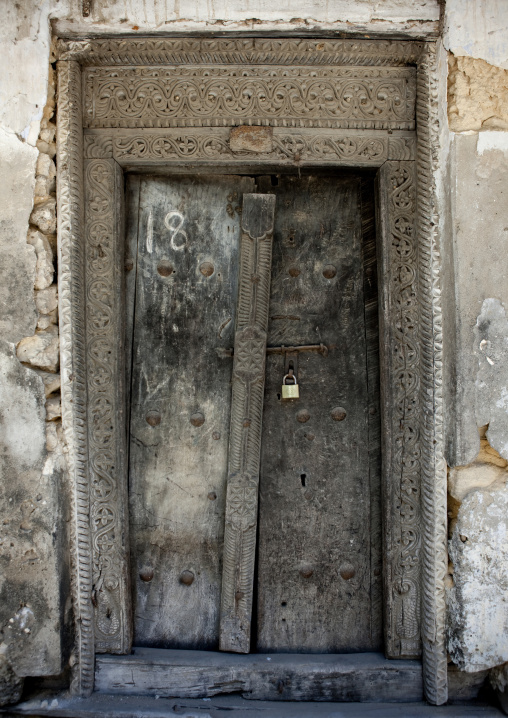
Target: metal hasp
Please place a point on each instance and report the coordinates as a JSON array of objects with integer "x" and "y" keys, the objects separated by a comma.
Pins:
[{"x": 246, "y": 416}]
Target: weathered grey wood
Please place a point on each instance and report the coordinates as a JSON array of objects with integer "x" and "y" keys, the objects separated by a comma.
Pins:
[
  {"x": 132, "y": 190},
  {"x": 370, "y": 293},
  {"x": 106, "y": 405},
  {"x": 400, "y": 408},
  {"x": 315, "y": 570},
  {"x": 189, "y": 674},
  {"x": 187, "y": 274},
  {"x": 246, "y": 422}
]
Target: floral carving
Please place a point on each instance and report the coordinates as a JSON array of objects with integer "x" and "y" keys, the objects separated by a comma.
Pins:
[
  {"x": 108, "y": 557},
  {"x": 196, "y": 96}
]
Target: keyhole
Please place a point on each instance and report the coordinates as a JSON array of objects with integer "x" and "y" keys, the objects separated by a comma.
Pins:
[{"x": 302, "y": 479}]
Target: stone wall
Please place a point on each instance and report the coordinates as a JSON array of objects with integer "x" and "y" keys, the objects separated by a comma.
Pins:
[
  {"x": 474, "y": 232},
  {"x": 475, "y": 164}
]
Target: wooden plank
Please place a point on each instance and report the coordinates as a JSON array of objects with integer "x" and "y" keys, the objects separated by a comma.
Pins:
[
  {"x": 315, "y": 569},
  {"x": 246, "y": 419},
  {"x": 287, "y": 677},
  {"x": 187, "y": 283},
  {"x": 132, "y": 190},
  {"x": 370, "y": 293}
]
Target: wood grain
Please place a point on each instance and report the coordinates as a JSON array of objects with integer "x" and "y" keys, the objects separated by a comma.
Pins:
[
  {"x": 187, "y": 674},
  {"x": 180, "y": 404},
  {"x": 315, "y": 539}
]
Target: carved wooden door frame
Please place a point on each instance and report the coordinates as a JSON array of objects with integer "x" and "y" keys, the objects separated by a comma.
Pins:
[{"x": 169, "y": 105}]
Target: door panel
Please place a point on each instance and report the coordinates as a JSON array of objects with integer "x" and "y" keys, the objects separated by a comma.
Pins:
[
  {"x": 186, "y": 290},
  {"x": 315, "y": 571}
]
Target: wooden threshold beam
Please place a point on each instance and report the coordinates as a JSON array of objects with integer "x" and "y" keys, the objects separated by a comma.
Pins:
[{"x": 362, "y": 677}]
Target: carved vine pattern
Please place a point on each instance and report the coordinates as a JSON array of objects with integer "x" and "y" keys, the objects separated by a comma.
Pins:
[
  {"x": 405, "y": 358},
  {"x": 105, "y": 465},
  {"x": 196, "y": 96},
  {"x": 289, "y": 147},
  {"x": 292, "y": 146}
]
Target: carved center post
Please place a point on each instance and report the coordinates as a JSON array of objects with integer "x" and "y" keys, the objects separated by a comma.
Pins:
[{"x": 246, "y": 418}]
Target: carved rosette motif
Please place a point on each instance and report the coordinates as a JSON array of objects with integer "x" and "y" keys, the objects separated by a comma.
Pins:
[
  {"x": 405, "y": 388},
  {"x": 293, "y": 146},
  {"x": 105, "y": 410},
  {"x": 246, "y": 418},
  {"x": 234, "y": 95}
]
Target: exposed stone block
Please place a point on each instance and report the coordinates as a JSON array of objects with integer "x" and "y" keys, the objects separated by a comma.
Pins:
[
  {"x": 46, "y": 320},
  {"x": 477, "y": 95},
  {"x": 41, "y": 350},
  {"x": 463, "y": 479},
  {"x": 44, "y": 216},
  {"x": 51, "y": 381},
  {"x": 477, "y": 606},
  {"x": 45, "y": 271},
  {"x": 48, "y": 131},
  {"x": 46, "y": 300},
  {"x": 53, "y": 409}
]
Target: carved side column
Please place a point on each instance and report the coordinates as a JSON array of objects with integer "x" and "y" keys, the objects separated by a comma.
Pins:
[
  {"x": 400, "y": 396},
  {"x": 434, "y": 478},
  {"x": 110, "y": 593},
  {"x": 71, "y": 291},
  {"x": 246, "y": 417}
]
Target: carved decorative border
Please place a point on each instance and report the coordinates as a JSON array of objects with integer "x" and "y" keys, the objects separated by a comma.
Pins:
[
  {"x": 106, "y": 405},
  {"x": 357, "y": 148},
  {"x": 433, "y": 475},
  {"x": 71, "y": 291},
  {"x": 241, "y": 51},
  {"x": 276, "y": 95},
  {"x": 400, "y": 390},
  {"x": 152, "y": 52}
]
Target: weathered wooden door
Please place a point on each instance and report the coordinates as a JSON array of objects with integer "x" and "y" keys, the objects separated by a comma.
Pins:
[{"x": 318, "y": 566}]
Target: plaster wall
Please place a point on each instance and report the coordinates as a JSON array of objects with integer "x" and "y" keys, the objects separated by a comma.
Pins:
[
  {"x": 474, "y": 172},
  {"x": 474, "y": 231}
]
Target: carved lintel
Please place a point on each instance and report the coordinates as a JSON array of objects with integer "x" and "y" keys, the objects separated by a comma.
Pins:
[
  {"x": 246, "y": 418},
  {"x": 215, "y": 95},
  {"x": 110, "y": 593},
  {"x": 289, "y": 146}
]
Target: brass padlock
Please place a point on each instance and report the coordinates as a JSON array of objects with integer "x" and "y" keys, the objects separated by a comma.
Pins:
[{"x": 290, "y": 391}]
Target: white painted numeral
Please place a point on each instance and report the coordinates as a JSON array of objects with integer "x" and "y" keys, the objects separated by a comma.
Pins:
[{"x": 176, "y": 229}]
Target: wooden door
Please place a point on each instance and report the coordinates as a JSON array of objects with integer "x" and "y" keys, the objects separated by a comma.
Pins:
[
  {"x": 319, "y": 562},
  {"x": 186, "y": 284},
  {"x": 319, "y": 554}
]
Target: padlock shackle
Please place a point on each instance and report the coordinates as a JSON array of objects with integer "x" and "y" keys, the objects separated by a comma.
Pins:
[{"x": 291, "y": 376}]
